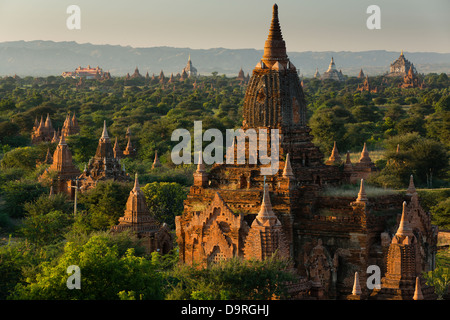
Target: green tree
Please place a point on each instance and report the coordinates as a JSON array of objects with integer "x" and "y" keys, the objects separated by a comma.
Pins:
[
  {"x": 439, "y": 278},
  {"x": 165, "y": 200},
  {"x": 16, "y": 193},
  {"x": 44, "y": 229},
  {"x": 232, "y": 279},
  {"x": 441, "y": 214},
  {"x": 103, "y": 274},
  {"x": 105, "y": 204}
]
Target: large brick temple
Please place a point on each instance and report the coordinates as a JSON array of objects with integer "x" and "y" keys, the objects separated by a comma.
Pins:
[{"x": 234, "y": 211}]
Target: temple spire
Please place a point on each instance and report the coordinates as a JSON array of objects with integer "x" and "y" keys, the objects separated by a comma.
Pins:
[
  {"x": 404, "y": 229},
  {"x": 136, "y": 187},
  {"x": 105, "y": 131},
  {"x": 275, "y": 47},
  {"x": 200, "y": 165},
  {"x": 365, "y": 155},
  {"x": 362, "y": 196},
  {"x": 62, "y": 140},
  {"x": 356, "y": 286},
  {"x": 418, "y": 291},
  {"x": 334, "y": 158},
  {"x": 411, "y": 188},
  {"x": 287, "y": 171}
]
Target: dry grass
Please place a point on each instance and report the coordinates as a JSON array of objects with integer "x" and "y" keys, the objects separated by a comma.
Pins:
[{"x": 350, "y": 190}]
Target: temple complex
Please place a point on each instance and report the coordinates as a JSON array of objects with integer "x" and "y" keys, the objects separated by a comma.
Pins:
[
  {"x": 407, "y": 256},
  {"x": 42, "y": 131},
  {"x": 103, "y": 166},
  {"x": 361, "y": 74},
  {"x": 70, "y": 126},
  {"x": 189, "y": 69},
  {"x": 233, "y": 210},
  {"x": 317, "y": 74},
  {"x": 154, "y": 236},
  {"x": 366, "y": 86},
  {"x": 411, "y": 80},
  {"x": 129, "y": 151},
  {"x": 136, "y": 74},
  {"x": 400, "y": 67},
  {"x": 62, "y": 170},
  {"x": 332, "y": 73}
]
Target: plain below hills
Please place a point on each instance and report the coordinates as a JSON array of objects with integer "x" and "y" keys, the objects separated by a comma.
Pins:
[{"x": 45, "y": 58}]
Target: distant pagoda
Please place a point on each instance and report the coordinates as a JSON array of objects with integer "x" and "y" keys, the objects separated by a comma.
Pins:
[
  {"x": 189, "y": 69},
  {"x": 332, "y": 73},
  {"x": 400, "y": 67}
]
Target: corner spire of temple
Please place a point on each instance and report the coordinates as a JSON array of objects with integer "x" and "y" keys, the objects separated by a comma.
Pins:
[
  {"x": 411, "y": 188},
  {"x": 365, "y": 155},
  {"x": 136, "y": 187},
  {"x": 287, "y": 171},
  {"x": 356, "y": 285},
  {"x": 266, "y": 213},
  {"x": 105, "y": 131},
  {"x": 417, "y": 290},
  {"x": 200, "y": 165},
  {"x": 404, "y": 229},
  {"x": 362, "y": 196},
  {"x": 335, "y": 158}
]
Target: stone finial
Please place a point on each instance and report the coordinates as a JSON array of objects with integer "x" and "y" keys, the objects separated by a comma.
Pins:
[
  {"x": 347, "y": 159},
  {"x": 136, "y": 183},
  {"x": 411, "y": 188},
  {"x": 156, "y": 162},
  {"x": 365, "y": 155},
  {"x": 62, "y": 140},
  {"x": 275, "y": 47},
  {"x": 334, "y": 157},
  {"x": 418, "y": 291},
  {"x": 48, "y": 122},
  {"x": 266, "y": 214},
  {"x": 362, "y": 196},
  {"x": 200, "y": 165},
  {"x": 287, "y": 171},
  {"x": 404, "y": 229},
  {"x": 356, "y": 286},
  {"x": 105, "y": 131}
]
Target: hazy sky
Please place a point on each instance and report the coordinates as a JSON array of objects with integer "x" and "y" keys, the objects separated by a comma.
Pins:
[{"x": 307, "y": 25}]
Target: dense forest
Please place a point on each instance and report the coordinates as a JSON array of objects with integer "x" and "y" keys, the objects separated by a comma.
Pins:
[{"x": 407, "y": 132}]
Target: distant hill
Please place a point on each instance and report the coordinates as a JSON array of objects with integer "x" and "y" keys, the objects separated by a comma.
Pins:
[{"x": 43, "y": 58}]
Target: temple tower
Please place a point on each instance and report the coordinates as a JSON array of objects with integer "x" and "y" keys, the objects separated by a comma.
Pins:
[
  {"x": 156, "y": 237},
  {"x": 64, "y": 169},
  {"x": 104, "y": 165},
  {"x": 403, "y": 266},
  {"x": 274, "y": 97}
]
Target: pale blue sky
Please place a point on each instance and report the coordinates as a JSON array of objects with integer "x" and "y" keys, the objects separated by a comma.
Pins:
[{"x": 307, "y": 25}]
